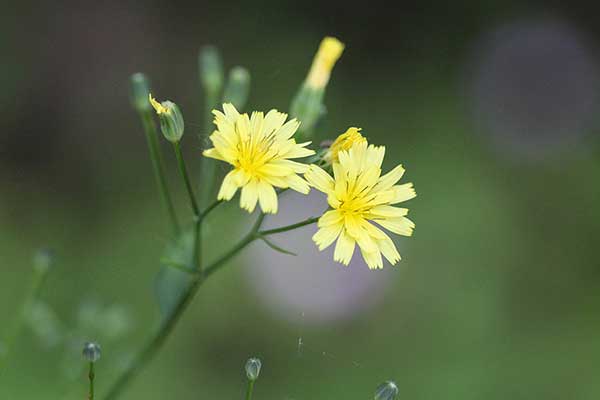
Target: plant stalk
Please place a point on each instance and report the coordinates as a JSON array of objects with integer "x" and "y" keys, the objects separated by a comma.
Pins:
[
  {"x": 158, "y": 167},
  {"x": 148, "y": 352}
]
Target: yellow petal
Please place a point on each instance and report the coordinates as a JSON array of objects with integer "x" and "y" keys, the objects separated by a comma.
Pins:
[
  {"x": 388, "y": 180},
  {"x": 401, "y": 226},
  {"x": 373, "y": 259},
  {"x": 344, "y": 248},
  {"x": 267, "y": 198},
  {"x": 326, "y": 236},
  {"x": 249, "y": 196},
  {"x": 388, "y": 249},
  {"x": 228, "y": 187},
  {"x": 403, "y": 193},
  {"x": 319, "y": 179}
]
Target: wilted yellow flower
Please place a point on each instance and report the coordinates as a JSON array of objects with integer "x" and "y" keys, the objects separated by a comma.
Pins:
[
  {"x": 329, "y": 52},
  {"x": 361, "y": 199},
  {"x": 344, "y": 142},
  {"x": 260, "y": 148},
  {"x": 158, "y": 107}
]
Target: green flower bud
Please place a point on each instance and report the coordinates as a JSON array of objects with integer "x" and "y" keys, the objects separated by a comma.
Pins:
[
  {"x": 171, "y": 119},
  {"x": 211, "y": 70},
  {"x": 308, "y": 108},
  {"x": 253, "y": 366},
  {"x": 386, "y": 391},
  {"x": 237, "y": 88},
  {"x": 92, "y": 351},
  {"x": 140, "y": 88}
]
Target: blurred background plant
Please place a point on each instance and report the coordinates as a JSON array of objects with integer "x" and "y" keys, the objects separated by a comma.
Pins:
[{"x": 490, "y": 106}]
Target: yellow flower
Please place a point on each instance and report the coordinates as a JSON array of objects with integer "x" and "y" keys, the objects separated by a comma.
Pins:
[
  {"x": 361, "y": 199},
  {"x": 329, "y": 52},
  {"x": 260, "y": 148},
  {"x": 344, "y": 142}
]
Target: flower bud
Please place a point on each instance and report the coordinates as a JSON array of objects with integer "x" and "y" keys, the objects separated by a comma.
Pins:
[
  {"x": 307, "y": 106},
  {"x": 211, "y": 70},
  {"x": 253, "y": 368},
  {"x": 237, "y": 88},
  {"x": 140, "y": 88},
  {"x": 329, "y": 52},
  {"x": 171, "y": 120},
  {"x": 92, "y": 351},
  {"x": 386, "y": 391},
  {"x": 344, "y": 142}
]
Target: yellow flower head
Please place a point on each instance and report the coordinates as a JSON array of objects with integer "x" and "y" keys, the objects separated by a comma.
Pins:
[
  {"x": 160, "y": 109},
  {"x": 361, "y": 199},
  {"x": 329, "y": 52},
  {"x": 260, "y": 149},
  {"x": 344, "y": 142}
]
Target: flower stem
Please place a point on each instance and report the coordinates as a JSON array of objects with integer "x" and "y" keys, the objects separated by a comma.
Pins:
[
  {"x": 250, "y": 390},
  {"x": 186, "y": 178},
  {"x": 158, "y": 166},
  {"x": 195, "y": 209},
  {"x": 148, "y": 352},
  {"x": 289, "y": 227},
  {"x": 92, "y": 377}
]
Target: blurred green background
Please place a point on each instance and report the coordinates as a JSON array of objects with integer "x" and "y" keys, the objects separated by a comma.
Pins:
[{"x": 491, "y": 106}]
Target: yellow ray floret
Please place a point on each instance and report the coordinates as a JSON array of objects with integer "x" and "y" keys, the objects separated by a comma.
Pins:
[
  {"x": 361, "y": 199},
  {"x": 344, "y": 142},
  {"x": 260, "y": 148}
]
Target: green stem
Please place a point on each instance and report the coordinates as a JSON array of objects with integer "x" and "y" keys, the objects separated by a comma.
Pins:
[
  {"x": 158, "y": 166},
  {"x": 92, "y": 377},
  {"x": 249, "y": 390},
  {"x": 186, "y": 178},
  {"x": 210, "y": 208},
  {"x": 6, "y": 346},
  {"x": 157, "y": 340},
  {"x": 195, "y": 209},
  {"x": 289, "y": 227}
]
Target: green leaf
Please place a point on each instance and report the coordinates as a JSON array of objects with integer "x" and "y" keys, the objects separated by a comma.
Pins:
[{"x": 277, "y": 248}]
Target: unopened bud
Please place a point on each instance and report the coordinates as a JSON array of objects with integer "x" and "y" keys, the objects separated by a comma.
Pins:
[
  {"x": 307, "y": 106},
  {"x": 386, "y": 391},
  {"x": 253, "y": 368},
  {"x": 140, "y": 88},
  {"x": 330, "y": 50},
  {"x": 171, "y": 119},
  {"x": 237, "y": 88},
  {"x": 92, "y": 351},
  {"x": 211, "y": 70}
]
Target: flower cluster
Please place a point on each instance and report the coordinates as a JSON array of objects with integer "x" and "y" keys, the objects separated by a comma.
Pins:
[
  {"x": 266, "y": 158},
  {"x": 260, "y": 149}
]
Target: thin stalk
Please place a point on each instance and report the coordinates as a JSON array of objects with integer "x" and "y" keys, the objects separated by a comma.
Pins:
[
  {"x": 289, "y": 227},
  {"x": 210, "y": 208},
  {"x": 186, "y": 178},
  {"x": 148, "y": 352},
  {"x": 92, "y": 377},
  {"x": 194, "y": 204},
  {"x": 250, "y": 390},
  {"x": 158, "y": 167}
]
